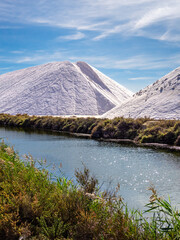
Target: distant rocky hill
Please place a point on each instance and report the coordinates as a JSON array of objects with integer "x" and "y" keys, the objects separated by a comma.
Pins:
[
  {"x": 60, "y": 88},
  {"x": 159, "y": 100}
]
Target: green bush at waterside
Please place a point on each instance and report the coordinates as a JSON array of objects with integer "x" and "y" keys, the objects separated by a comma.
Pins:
[
  {"x": 142, "y": 130},
  {"x": 75, "y": 125},
  {"x": 32, "y": 206}
]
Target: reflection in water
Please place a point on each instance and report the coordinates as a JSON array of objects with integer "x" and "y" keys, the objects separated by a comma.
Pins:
[{"x": 134, "y": 168}]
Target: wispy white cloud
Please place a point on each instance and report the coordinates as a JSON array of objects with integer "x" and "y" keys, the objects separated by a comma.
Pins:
[
  {"x": 170, "y": 36},
  {"x": 137, "y": 62},
  {"x": 157, "y": 15},
  {"x": 141, "y": 78},
  {"x": 114, "y": 30},
  {"x": 133, "y": 18},
  {"x": 39, "y": 58},
  {"x": 17, "y": 52},
  {"x": 76, "y": 36}
]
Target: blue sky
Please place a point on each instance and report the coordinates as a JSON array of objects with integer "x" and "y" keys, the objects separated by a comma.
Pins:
[{"x": 133, "y": 42}]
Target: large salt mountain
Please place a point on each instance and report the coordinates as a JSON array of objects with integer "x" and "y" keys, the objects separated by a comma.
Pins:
[
  {"x": 161, "y": 100},
  {"x": 60, "y": 88}
]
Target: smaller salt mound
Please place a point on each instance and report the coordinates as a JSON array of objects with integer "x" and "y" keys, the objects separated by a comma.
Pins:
[{"x": 161, "y": 100}]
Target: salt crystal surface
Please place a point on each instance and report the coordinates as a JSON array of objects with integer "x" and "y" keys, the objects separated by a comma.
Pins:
[
  {"x": 60, "y": 88},
  {"x": 160, "y": 100}
]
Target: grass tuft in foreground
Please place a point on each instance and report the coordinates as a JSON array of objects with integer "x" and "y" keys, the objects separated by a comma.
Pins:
[{"x": 32, "y": 206}]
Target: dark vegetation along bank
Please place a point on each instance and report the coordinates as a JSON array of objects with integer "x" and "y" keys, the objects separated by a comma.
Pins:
[
  {"x": 143, "y": 131},
  {"x": 32, "y": 206}
]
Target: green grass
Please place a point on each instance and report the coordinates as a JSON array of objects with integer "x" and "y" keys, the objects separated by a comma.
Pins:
[{"x": 35, "y": 207}]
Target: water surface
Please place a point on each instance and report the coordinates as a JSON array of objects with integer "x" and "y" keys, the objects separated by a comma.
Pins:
[{"x": 134, "y": 168}]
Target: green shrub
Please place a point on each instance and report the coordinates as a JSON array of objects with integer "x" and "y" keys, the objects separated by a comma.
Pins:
[
  {"x": 147, "y": 139},
  {"x": 139, "y": 130},
  {"x": 168, "y": 137}
]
